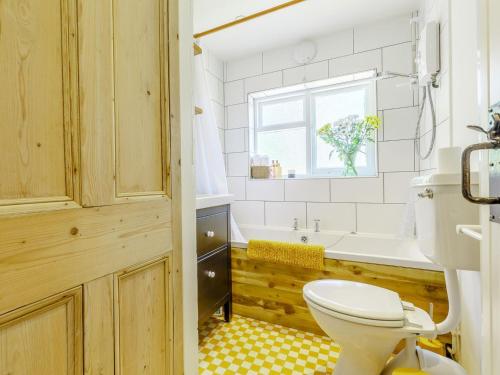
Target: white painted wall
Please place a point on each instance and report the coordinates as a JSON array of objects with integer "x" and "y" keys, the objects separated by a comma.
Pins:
[
  {"x": 351, "y": 204},
  {"x": 456, "y": 104}
]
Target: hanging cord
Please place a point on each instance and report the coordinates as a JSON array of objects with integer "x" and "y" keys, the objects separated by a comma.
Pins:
[{"x": 427, "y": 92}]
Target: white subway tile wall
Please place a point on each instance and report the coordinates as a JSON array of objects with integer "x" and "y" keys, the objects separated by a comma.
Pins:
[
  {"x": 308, "y": 190},
  {"x": 346, "y": 204},
  {"x": 398, "y": 58},
  {"x": 283, "y": 214},
  {"x": 263, "y": 82},
  {"x": 214, "y": 69},
  {"x": 237, "y": 186},
  {"x": 360, "y": 190},
  {"x": 332, "y": 216},
  {"x": 248, "y": 212},
  {"x": 437, "y": 11},
  {"x": 237, "y": 164},
  {"x": 267, "y": 190},
  {"x": 305, "y": 73},
  {"x": 380, "y": 218},
  {"x": 382, "y": 34},
  {"x": 396, "y": 186},
  {"x": 236, "y": 140},
  {"x": 394, "y": 93},
  {"x": 396, "y": 156},
  {"x": 395, "y": 120},
  {"x": 356, "y": 63},
  {"x": 234, "y": 92},
  {"x": 237, "y": 116},
  {"x": 243, "y": 68}
]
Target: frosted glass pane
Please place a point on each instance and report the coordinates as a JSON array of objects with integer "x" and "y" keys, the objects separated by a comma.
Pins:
[
  {"x": 283, "y": 112},
  {"x": 288, "y": 146}
]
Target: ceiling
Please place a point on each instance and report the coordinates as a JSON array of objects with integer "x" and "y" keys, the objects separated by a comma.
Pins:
[{"x": 287, "y": 26}]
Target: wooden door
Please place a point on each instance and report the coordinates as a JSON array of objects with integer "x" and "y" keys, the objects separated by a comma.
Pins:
[
  {"x": 38, "y": 116},
  {"x": 142, "y": 327},
  {"x": 85, "y": 187},
  {"x": 44, "y": 338}
]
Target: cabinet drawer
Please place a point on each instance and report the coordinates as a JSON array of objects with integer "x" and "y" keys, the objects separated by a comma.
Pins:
[
  {"x": 211, "y": 232},
  {"x": 213, "y": 282}
]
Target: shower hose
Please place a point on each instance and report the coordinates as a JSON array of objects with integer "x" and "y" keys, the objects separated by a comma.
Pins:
[{"x": 426, "y": 92}]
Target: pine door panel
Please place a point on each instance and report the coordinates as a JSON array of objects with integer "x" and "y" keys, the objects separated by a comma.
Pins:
[
  {"x": 45, "y": 338},
  {"x": 138, "y": 96},
  {"x": 37, "y": 116},
  {"x": 124, "y": 111},
  {"x": 143, "y": 319}
]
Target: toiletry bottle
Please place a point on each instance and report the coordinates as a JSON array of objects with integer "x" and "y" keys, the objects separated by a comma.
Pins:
[
  {"x": 278, "y": 170},
  {"x": 273, "y": 169}
]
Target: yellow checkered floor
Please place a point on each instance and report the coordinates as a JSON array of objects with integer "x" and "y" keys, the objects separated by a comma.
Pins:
[{"x": 248, "y": 346}]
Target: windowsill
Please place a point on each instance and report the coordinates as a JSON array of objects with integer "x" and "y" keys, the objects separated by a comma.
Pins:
[{"x": 311, "y": 177}]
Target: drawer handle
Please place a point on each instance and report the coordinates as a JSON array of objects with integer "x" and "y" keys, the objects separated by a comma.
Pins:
[
  {"x": 210, "y": 234},
  {"x": 211, "y": 274}
]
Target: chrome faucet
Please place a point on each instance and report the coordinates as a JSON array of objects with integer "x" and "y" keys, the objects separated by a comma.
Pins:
[
  {"x": 295, "y": 224},
  {"x": 316, "y": 225}
]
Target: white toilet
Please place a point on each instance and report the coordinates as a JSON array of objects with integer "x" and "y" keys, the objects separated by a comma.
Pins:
[{"x": 368, "y": 321}]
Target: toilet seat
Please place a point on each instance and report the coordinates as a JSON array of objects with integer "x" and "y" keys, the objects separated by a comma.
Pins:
[{"x": 357, "y": 302}]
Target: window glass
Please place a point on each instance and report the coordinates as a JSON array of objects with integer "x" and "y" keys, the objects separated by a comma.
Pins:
[
  {"x": 282, "y": 112},
  {"x": 330, "y": 107},
  {"x": 284, "y": 125},
  {"x": 289, "y": 146}
]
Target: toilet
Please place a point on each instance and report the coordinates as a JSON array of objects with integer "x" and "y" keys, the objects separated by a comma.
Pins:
[{"x": 368, "y": 321}]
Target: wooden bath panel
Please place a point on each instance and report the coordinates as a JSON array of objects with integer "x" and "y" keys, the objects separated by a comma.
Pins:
[{"x": 273, "y": 292}]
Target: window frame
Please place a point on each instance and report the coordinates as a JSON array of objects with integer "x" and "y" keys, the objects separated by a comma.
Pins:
[{"x": 308, "y": 94}]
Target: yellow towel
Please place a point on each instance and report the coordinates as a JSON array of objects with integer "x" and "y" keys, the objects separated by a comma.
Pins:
[
  {"x": 292, "y": 254},
  {"x": 408, "y": 371}
]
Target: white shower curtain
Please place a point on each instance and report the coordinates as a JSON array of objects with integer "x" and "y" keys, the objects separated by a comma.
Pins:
[{"x": 210, "y": 166}]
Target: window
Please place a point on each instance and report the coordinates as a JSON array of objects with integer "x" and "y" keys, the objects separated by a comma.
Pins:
[{"x": 285, "y": 124}]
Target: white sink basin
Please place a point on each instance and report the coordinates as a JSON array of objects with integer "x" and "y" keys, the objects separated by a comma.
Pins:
[{"x": 209, "y": 200}]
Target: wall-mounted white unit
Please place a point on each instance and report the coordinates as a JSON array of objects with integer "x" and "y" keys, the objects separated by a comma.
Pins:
[{"x": 428, "y": 53}]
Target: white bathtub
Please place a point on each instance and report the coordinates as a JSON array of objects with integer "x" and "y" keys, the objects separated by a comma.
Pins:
[{"x": 356, "y": 247}]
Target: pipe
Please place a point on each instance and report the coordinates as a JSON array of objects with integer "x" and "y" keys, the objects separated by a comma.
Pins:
[{"x": 454, "y": 310}]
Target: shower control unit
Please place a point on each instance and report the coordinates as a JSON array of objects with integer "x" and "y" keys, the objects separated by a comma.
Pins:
[{"x": 428, "y": 54}]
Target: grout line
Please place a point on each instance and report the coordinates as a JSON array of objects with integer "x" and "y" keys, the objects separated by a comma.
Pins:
[
  {"x": 356, "y": 218},
  {"x": 383, "y": 187},
  {"x": 353, "y": 36},
  {"x": 314, "y": 62}
]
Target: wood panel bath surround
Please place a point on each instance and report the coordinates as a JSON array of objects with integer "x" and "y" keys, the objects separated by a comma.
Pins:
[{"x": 273, "y": 292}]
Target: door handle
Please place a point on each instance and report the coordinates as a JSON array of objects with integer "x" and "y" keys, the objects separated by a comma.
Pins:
[
  {"x": 466, "y": 188},
  {"x": 493, "y": 134}
]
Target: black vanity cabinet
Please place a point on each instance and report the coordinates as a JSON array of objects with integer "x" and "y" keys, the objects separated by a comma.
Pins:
[{"x": 213, "y": 228}]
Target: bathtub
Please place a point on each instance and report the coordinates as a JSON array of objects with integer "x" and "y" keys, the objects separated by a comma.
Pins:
[
  {"x": 272, "y": 292},
  {"x": 356, "y": 247}
]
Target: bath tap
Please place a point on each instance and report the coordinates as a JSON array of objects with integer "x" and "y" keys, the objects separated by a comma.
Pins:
[
  {"x": 316, "y": 225},
  {"x": 295, "y": 224}
]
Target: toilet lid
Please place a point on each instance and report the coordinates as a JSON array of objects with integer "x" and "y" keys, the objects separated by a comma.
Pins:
[{"x": 356, "y": 299}]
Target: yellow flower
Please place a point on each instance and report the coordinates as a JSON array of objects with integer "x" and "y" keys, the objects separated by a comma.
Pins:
[
  {"x": 373, "y": 121},
  {"x": 325, "y": 129}
]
